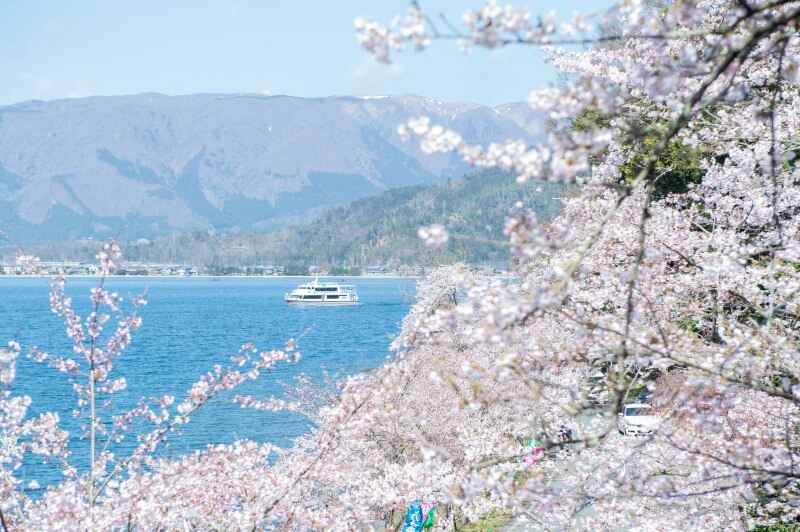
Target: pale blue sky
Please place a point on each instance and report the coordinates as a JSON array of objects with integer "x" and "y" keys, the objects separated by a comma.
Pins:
[{"x": 57, "y": 49}]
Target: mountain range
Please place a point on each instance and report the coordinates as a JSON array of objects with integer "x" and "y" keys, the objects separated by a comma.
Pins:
[{"x": 150, "y": 165}]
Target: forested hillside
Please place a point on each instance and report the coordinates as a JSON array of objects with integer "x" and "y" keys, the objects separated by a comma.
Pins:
[
  {"x": 378, "y": 230},
  {"x": 383, "y": 229}
]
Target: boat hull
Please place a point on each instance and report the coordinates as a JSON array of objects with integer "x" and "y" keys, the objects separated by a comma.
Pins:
[{"x": 300, "y": 303}]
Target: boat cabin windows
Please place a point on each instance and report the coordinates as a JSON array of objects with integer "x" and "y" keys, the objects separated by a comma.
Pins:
[
  {"x": 312, "y": 297},
  {"x": 326, "y": 289}
]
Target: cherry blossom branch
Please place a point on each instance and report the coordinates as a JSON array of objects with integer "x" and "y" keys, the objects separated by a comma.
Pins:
[{"x": 769, "y": 390}]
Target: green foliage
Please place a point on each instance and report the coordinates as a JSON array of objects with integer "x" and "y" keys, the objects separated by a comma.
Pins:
[
  {"x": 636, "y": 391},
  {"x": 765, "y": 497},
  {"x": 218, "y": 267},
  {"x": 488, "y": 522},
  {"x": 295, "y": 269},
  {"x": 590, "y": 119},
  {"x": 521, "y": 475},
  {"x": 676, "y": 168},
  {"x": 382, "y": 230},
  {"x": 687, "y": 323},
  {"x": 350, "y": 272}
]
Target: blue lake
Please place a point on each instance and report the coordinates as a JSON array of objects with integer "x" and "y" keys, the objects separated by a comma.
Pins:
[{"x": 189, "y": 325}]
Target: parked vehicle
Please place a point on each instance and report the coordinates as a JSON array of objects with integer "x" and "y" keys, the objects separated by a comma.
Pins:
[
  {"x": 637, "y": 419},
  {"x": 598, "y": 389}
]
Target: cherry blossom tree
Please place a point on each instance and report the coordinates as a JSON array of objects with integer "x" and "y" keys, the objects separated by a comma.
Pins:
[
  {"x": 672, "y": 272},
  {"x": 675, "y": 267},
  {"x": 134, "y": 488}
]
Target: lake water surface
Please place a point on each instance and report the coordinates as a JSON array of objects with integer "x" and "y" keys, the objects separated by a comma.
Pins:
[{"x": 191, "y": 324}]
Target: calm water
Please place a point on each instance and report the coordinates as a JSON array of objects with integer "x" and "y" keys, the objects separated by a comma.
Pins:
[{"x": 190, "y": 325}]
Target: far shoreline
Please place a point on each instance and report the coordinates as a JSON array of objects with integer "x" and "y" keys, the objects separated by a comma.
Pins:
[
  {"x": 201, "y": 276},
  {"x": 205, "y": 276}
]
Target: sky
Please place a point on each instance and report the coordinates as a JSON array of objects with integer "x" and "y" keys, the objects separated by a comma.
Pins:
[{"x": 58, "y": 49}]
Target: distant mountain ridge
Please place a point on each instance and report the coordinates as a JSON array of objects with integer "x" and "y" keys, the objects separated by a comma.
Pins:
[{"x": 157, "y": 164}]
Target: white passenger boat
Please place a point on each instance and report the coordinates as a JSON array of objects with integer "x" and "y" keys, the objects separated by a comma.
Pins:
[{"x": 323, "y": 294}]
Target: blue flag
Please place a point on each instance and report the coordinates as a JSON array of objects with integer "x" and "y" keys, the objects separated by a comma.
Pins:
[{"x": 413, "y": 518}]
